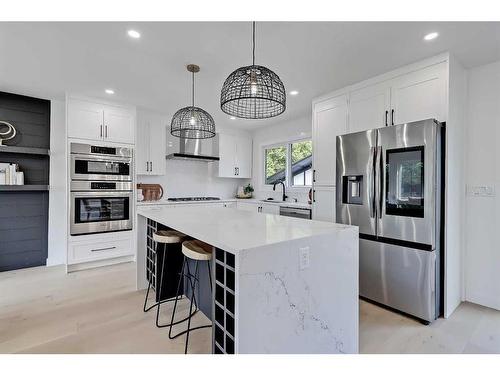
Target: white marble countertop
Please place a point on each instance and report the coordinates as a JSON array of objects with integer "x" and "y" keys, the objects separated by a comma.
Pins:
[
  {"x": 253, "y": 200},
  {"x": 233, "y": 230}
]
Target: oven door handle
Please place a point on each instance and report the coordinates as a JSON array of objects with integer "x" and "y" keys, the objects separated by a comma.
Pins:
[
  {"x": 102, "y": 193},
  {"x": 123, "y": 159}
]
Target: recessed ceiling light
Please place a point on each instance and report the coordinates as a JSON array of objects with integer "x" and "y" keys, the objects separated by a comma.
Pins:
[
  {"x": 232, "y": 118},
  {"x": 134, "y": 34},
  {"x": 109, "y": 91},
  {"x": 294, "y": 92},
  {"x": 431, "y": 36}
]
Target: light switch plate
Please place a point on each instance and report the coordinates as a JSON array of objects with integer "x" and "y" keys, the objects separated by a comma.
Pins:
[
  {"x": 304, "y": 261},
  {"x": 481, "y": 191}
]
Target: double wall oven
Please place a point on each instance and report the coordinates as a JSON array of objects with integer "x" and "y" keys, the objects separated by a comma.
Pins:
[{"x": 101, "y": 198}]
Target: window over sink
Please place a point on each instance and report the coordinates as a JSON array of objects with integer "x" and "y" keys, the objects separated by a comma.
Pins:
[{"x": 289, "y": 162}]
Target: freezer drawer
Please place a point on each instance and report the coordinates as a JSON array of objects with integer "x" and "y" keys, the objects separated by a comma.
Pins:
[{"x": 399, "y": 277}]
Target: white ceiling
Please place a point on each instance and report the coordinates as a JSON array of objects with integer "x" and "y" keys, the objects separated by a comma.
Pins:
[{"x": 49, "y": 59}]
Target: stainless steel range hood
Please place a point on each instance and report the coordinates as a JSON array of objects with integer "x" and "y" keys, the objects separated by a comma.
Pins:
[{"x": 194, "y": 149}]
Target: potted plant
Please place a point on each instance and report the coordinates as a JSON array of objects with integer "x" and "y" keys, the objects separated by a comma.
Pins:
[{"x": 247, "y": 192}]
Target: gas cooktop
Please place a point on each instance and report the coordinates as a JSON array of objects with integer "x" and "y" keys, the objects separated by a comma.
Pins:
[{"x": 190, "y": 199}]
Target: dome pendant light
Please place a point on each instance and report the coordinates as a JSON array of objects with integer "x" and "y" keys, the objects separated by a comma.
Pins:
[
  {"x": 253, "y": 92},
  {"x": 192, "y": 122}
]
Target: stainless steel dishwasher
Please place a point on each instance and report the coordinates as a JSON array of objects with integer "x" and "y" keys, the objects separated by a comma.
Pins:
[{"x": 301, "y": 213}]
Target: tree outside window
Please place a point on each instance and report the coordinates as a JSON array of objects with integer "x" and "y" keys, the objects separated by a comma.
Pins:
[{"x": 290, "y": 163}]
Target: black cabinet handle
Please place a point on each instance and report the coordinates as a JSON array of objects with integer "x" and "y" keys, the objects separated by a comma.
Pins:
[
  {"x": 386, "y": 115},
  {"x": 314, "y": 195},
  {"x": 314, "y": 175},
  {"x": 392, "y": 117}
]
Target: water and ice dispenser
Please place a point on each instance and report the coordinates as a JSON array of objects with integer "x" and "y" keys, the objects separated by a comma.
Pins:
[{"x": 352, "y": 189}]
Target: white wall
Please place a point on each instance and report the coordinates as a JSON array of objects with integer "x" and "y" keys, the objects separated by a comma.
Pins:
[
  {"x": 194, "y": 178},
  {"x": 282, "y": 132},
  {"x": 482, "y": 248},
  {"x": 455, "y": 187},
  {"x": 57, "y": 180}
]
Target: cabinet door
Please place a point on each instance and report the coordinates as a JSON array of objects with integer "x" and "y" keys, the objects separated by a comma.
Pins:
[
  {"x": 142, "y": 145},
  {"x": 272, "y": 208},
  {"x": 157, "y": 145},
  {"x": 246, "y": 206},
  {"x": 369, "y": 108},
  {"x": 118, "y": 125},
  {"x": 323, "y": 207},
  {"x": 227, "y": 154},
  {"x": 420, "y": 95},
  {"x": 85, "y": 119},
  {"x": 244, "y": 157},
  {"x": 330, "y": 120}
]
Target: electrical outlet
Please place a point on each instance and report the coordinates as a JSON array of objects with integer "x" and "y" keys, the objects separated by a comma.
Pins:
[{"x": 304, "y": 260}]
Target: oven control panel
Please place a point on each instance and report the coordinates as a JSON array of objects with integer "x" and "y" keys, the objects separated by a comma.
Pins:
[{"x": 103, "y": 185}]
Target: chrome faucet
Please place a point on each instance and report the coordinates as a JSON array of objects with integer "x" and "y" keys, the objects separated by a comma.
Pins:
[{"x": 282, "y": 184}]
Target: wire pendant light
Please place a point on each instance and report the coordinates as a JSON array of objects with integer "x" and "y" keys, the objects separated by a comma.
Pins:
[
  {"x": 253, "y": 92},
  {"x": 192, "y": 122}
]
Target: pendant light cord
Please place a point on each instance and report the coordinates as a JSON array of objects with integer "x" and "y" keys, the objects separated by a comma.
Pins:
[
  {"x": 253, "y": 43},
  {"x": 192, "y": 99}
]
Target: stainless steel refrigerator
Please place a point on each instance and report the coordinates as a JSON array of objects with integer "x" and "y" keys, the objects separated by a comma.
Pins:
[{"x": 389, "y": 184}]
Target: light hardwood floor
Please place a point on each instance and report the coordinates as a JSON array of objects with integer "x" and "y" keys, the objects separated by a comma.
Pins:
[{"x": 44, "y": 310}]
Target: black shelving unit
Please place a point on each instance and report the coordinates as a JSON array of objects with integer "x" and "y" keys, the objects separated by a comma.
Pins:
[{"x": 24, "y": 208}]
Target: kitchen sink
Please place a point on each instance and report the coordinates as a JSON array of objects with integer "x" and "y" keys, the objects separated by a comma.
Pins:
[{"x": 271, "y": 201}]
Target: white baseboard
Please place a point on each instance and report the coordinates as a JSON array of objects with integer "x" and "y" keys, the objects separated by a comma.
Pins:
[{"x": 99, "y": 263}]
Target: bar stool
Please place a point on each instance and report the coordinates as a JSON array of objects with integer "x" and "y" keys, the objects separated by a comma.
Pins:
[
  {"x": 171, "y": 241},
  {"x": 197, "y": 251}
]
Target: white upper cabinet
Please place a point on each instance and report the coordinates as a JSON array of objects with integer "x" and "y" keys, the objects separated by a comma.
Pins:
[
  {"x": 85, "y": 119},
  {"x": 420, "y": 95},
  {"x": 329, "y": 120},
  {"x": 369, "y": 107},
  {"x": 96, "y": 121},
  {"x": 118, "y": 125},
  {"x": 235, "y": 154},
  {"x": 151, "y": 144},
  {"x": 244, "y": 153}
]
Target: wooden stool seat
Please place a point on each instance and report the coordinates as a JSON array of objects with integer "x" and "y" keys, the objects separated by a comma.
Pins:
[
  {"x": 197, "y": 250},
  {"x": 168, "y": 236}
]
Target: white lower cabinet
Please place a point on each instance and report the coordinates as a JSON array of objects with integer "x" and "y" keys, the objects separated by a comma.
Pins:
[
  {"x": 323, "y": 206},
  {"x": 98, "y": 249},
  {"x": 229, "y": 205},
  {"x": 270, "y": 208},
  {"x": 247, "y": 206}
]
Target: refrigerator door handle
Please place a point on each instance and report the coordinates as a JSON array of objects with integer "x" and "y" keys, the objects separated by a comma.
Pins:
[
  {"x": 371, "y": 181},
  {"x": 379, "y": 180}
]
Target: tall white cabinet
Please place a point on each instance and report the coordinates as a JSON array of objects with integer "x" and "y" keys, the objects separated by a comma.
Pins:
[
  {"x": 433, "y": 88},
  {"x": 151, "y": 143}
]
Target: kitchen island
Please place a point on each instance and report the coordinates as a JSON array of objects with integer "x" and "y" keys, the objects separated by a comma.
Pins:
[{"x": 282, "y": 285}]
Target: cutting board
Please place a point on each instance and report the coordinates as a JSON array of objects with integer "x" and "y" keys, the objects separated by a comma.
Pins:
[{"x": 151, "y": 192}]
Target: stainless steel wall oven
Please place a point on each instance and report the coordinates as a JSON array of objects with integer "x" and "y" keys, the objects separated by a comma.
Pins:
[{"x": 101, "y": 198}]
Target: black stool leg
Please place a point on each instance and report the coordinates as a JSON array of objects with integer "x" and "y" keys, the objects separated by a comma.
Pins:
[
  {"x": 161, "y": 286},
  {"x": 146, "y": 299},
  {"x": 176, "y": 299}
]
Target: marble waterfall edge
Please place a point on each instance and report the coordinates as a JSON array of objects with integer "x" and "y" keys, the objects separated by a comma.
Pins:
[{"x": 317, "y": 305}]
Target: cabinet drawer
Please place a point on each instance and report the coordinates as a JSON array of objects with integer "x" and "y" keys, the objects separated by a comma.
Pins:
[{"x": 84, "y": 252}]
